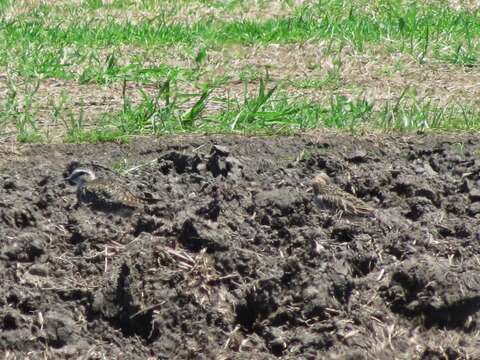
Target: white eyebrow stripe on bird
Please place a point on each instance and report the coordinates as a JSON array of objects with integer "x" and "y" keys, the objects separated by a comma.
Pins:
[{"x": 80, "y": 171}]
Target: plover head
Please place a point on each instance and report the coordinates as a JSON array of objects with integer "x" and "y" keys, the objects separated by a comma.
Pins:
[
  {"x": 81, "y": 176},
  {"x": 320, "y": 181}
]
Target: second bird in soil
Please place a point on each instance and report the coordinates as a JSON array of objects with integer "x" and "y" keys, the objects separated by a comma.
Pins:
[{"x": 328, "y": 196}]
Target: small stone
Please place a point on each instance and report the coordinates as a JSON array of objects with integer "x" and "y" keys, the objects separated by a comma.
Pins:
[
  {"x": 196, "y": 236},
  {"x": 427, "y": 193},
  {"x": 475, "y": 195},
  {"x": 419, "y": 170},
  {"x": 9, "y": 184},
  {"x": 343, "y": 233},
  {"x": 10, "y": 321},
  {"x": 38, "y": 269},
  {"x": 12, "y": 251},
  {"x": 405, "y": 185},
  {"x": 59, "y": 329},
  {"x": 277, "y": 346},
  {"x": 201, "y": 167},
  {"x": 429, "y": 170},
  {"x": 474, "y": 209},
  {"x": 35, "y": 248}
]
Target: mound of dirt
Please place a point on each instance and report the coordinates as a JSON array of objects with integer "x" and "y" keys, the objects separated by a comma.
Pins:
[{"x": 234, "y": 260}]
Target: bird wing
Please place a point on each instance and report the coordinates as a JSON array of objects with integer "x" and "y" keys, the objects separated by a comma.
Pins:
[
  {"x": 336, "y": 199},
  {"x": 358, "y": 206}
]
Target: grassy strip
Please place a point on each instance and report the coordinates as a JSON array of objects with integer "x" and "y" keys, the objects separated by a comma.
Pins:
[
  {"x": 281, "y": 116},
  {"x": 334, "y": 19},
  {"x": 36, "y": 44},
  {"x": 268, "y": 112},
  {"x": 436, "y": 25}
]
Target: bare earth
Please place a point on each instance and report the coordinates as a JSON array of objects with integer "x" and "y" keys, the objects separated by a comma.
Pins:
[{"x": 235, "y": 261}]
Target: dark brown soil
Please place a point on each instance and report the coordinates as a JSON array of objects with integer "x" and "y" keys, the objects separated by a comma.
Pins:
[{"x": 235, "y": 261}]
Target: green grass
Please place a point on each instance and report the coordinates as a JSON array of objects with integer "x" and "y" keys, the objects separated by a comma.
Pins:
[
  {"x": 38, "y": 39},
  {"x": 269, "y": 112},
  {"x": 92, "y": 44}
]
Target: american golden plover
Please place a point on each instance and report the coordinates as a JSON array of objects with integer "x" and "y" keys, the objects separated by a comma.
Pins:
[
  {"x": 328, "y": 196},
  {"x": 104, "y": 194}
]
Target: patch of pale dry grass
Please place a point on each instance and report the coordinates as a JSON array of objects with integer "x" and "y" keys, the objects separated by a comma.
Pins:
[
  {"x": 374, "y": 73},
  {"x": 304, "y": 70},
  {"x": 244, "y": 10},
  {"x": 189, "y": 12},
  {"x": 395, "y": 339},
  {"x": 459, "y": 5},
  {"x": 186, "y": 12}
]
